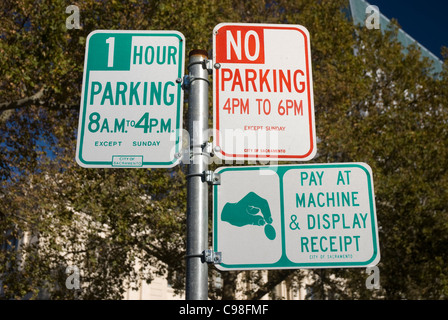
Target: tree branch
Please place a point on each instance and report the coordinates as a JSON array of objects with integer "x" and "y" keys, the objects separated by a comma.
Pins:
[{"x": 36, "y": 98}]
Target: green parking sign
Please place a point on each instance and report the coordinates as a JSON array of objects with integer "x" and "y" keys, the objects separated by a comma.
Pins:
[
  {"x": 132, "y": 100},
  {"x": 295, "y": 216}
]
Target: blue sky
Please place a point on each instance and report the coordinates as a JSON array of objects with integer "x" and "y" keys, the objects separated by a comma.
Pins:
[{"x": 424, "y": 20}]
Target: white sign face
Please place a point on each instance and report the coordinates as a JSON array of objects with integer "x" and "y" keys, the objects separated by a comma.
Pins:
[
  {"x": 295, "y": 216},
  {"x": 263, "y": 92},
  {"x": 131, "y": 103}
]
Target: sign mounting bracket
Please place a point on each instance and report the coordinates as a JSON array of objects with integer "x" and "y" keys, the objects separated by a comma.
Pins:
[{"x": 208, "y": 256}]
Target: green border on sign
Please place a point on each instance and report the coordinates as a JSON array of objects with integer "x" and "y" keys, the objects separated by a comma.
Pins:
[
  {"x": 284, "y": 262},
  {"x": 91, "y": 63}
]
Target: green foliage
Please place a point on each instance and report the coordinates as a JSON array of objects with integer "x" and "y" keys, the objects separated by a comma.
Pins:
[{"x": 373, "y": 104}]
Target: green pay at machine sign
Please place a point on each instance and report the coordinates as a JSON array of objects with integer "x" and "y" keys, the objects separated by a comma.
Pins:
[
  {"x": 131, "y": 103},
  {"x": 295, "y": 216}
]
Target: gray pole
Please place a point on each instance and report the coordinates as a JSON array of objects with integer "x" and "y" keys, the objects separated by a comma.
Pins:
[{"x": 197, "y": 187}]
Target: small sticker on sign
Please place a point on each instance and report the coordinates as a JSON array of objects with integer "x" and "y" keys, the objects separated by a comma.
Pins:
[{"x": 127, "y": 161}]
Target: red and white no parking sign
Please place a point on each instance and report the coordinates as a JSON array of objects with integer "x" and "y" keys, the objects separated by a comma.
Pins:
[{"x": 263, "y": 92}]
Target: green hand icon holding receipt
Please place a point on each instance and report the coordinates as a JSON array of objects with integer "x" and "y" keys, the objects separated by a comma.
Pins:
[{"x": 245, "y": 212}]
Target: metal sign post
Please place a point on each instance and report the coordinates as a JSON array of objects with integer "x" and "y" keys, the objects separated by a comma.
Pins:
[{"x": 197, "y": 187}]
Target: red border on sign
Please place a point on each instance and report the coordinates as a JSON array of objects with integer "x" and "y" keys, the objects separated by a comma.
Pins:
[{"x": 310, "y": 115}]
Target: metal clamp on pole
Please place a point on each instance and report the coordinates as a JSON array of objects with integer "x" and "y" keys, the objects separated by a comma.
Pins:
[
  {"x": 186, "y": 82},
  {"x": 206, "y": 64},
  {"x": 211, "y": 256},
  {"x": 206, "y": 150},
  {"x": 199, "y": 174},
  {"x": 212, "y": 178},
  {"x": 189, "y": 79},
  {"x": 208, "y": 256},
  {"x": 209, "y": 66},
  {"x": 208, "y": 176}
]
